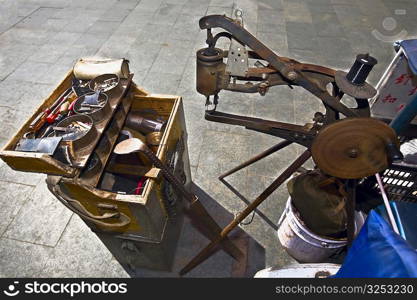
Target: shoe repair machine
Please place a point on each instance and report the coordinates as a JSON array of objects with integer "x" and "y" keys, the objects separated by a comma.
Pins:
[
  {"x": 71, "y": 137},
  {"x": 344, "y": 142}
]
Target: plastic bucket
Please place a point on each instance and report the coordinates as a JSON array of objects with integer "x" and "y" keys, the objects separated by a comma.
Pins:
[{"x": 304, "y": 245}]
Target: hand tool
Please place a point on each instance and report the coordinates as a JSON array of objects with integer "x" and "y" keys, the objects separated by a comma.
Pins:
[
  {"x": 91, "y": 98},
  {"x": 41, "y": 119},
  {"x": 104, "y": 82},
  {"x": 387, "y": 204},
  {"x": 213, "y": 229},
  {"x": 58, "y": 112},
  {"x": 91, "y": 105},
  {"x": 46, "y": 145},
  {"x": 79, "y": 89},
  {"x": 66, "y": 129}
]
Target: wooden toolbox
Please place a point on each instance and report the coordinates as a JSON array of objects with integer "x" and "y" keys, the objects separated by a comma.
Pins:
[{"x": 150, "y": 220}]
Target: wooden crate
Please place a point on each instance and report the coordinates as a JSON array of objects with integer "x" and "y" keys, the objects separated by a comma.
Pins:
[{"x": 140, "y": 218}]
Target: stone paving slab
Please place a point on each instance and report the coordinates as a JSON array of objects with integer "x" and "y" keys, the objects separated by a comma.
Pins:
[
  {"x": 13, "y": 197},
  {"x": 41, "y": 220},
  {"x": 41, "y": 39},
  {"x": 21, "y": 259},
  {"x": 79, "y": 253}
]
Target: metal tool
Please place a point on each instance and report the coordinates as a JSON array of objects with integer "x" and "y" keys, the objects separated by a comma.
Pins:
[
  {"x": 91, "y": 98},
  {"x": 104, "y": 83},
  {"x": 329, "y": 85},
  {"x": 46, "y": 115},
  {"x": 44, "y": 145},
  {"x": 273, "y": 70},
  {"x": 196, "y": 208},
  {"x": 387, "y": 204},
  {"x": 212, "y": 78}
]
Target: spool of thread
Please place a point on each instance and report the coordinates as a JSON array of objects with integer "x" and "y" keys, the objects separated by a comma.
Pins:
[{"x": 361, "y": 68}]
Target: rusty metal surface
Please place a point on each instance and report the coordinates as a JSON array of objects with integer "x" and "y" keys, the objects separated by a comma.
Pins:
[
  {"x": 302, "y": 135},
  {"x": 279, "y": 71},
  {"x": 353, "y": 148},
  {"x": 137, "y": 122},
  {"x": 367, "y": 138}
]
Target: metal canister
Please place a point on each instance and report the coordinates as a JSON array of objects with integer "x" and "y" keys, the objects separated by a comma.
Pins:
[
  {"x": 98, "y": 112},
  {"x": 136, "y": 122},
  {"x": 210, "y": 67},
  {"x": 109, "y": 84},
  {"x": 82, "y": 140},
  {"x": 153, "y": 140}
]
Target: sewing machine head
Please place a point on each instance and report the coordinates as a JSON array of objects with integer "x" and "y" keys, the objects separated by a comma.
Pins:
[{"x": 249, "y": 66}]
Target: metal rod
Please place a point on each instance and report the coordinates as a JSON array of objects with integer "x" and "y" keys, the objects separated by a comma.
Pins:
[
  {"x": 256, "y": 158},
  {"x": 350, "y": 209},
  {"x": 247, "y": 202},
  {"x": 385, "y": 75},
  {"x": 397, "y": 219},
  {"x": 204, "y": 254},
  {"x": 386, "y": 204}
]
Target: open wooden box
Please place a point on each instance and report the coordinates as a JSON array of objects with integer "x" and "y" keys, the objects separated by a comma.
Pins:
[{"x": 118, "y": 218}]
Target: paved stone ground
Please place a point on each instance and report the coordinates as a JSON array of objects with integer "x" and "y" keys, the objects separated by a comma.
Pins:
[{"x": 40, "y": 40}]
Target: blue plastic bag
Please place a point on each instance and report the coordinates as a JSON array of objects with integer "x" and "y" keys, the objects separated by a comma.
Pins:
[
  {"x": 410, "y": 50},
  {"x": 379, "y": 252}
]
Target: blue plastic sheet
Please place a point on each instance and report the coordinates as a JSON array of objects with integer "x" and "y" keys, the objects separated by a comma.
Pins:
[
  {"x": 410, "y": 50},
  {"x": 379, "y": 252}
]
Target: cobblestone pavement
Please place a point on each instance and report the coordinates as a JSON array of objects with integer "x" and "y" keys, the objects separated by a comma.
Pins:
[{"x": 40, "y": 40}]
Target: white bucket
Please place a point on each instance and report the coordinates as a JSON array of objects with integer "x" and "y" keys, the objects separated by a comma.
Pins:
[
  {"x": 304, "y": 245},
  {"x": 300, "y": 271}
]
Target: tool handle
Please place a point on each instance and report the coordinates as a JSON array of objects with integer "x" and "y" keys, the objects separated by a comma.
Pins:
[
  {"x": 59, "y": 100},
  {"x": 58, "y": 110},
  {"x": 39, "y": 121},
  {"x": 64, "y": 108},
  {"x": 51, "y": 117},
  {"x": 169, "y": 176}
]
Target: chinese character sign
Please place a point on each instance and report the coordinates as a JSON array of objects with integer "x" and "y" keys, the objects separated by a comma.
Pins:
[{"x": 397, "y": 89}]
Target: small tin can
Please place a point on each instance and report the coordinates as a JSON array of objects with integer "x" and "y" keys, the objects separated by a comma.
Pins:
[{"x": 153, "y": 140}]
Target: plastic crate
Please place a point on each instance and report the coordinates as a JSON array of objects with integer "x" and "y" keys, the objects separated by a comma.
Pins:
[{"x": 400, "y": 183}]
